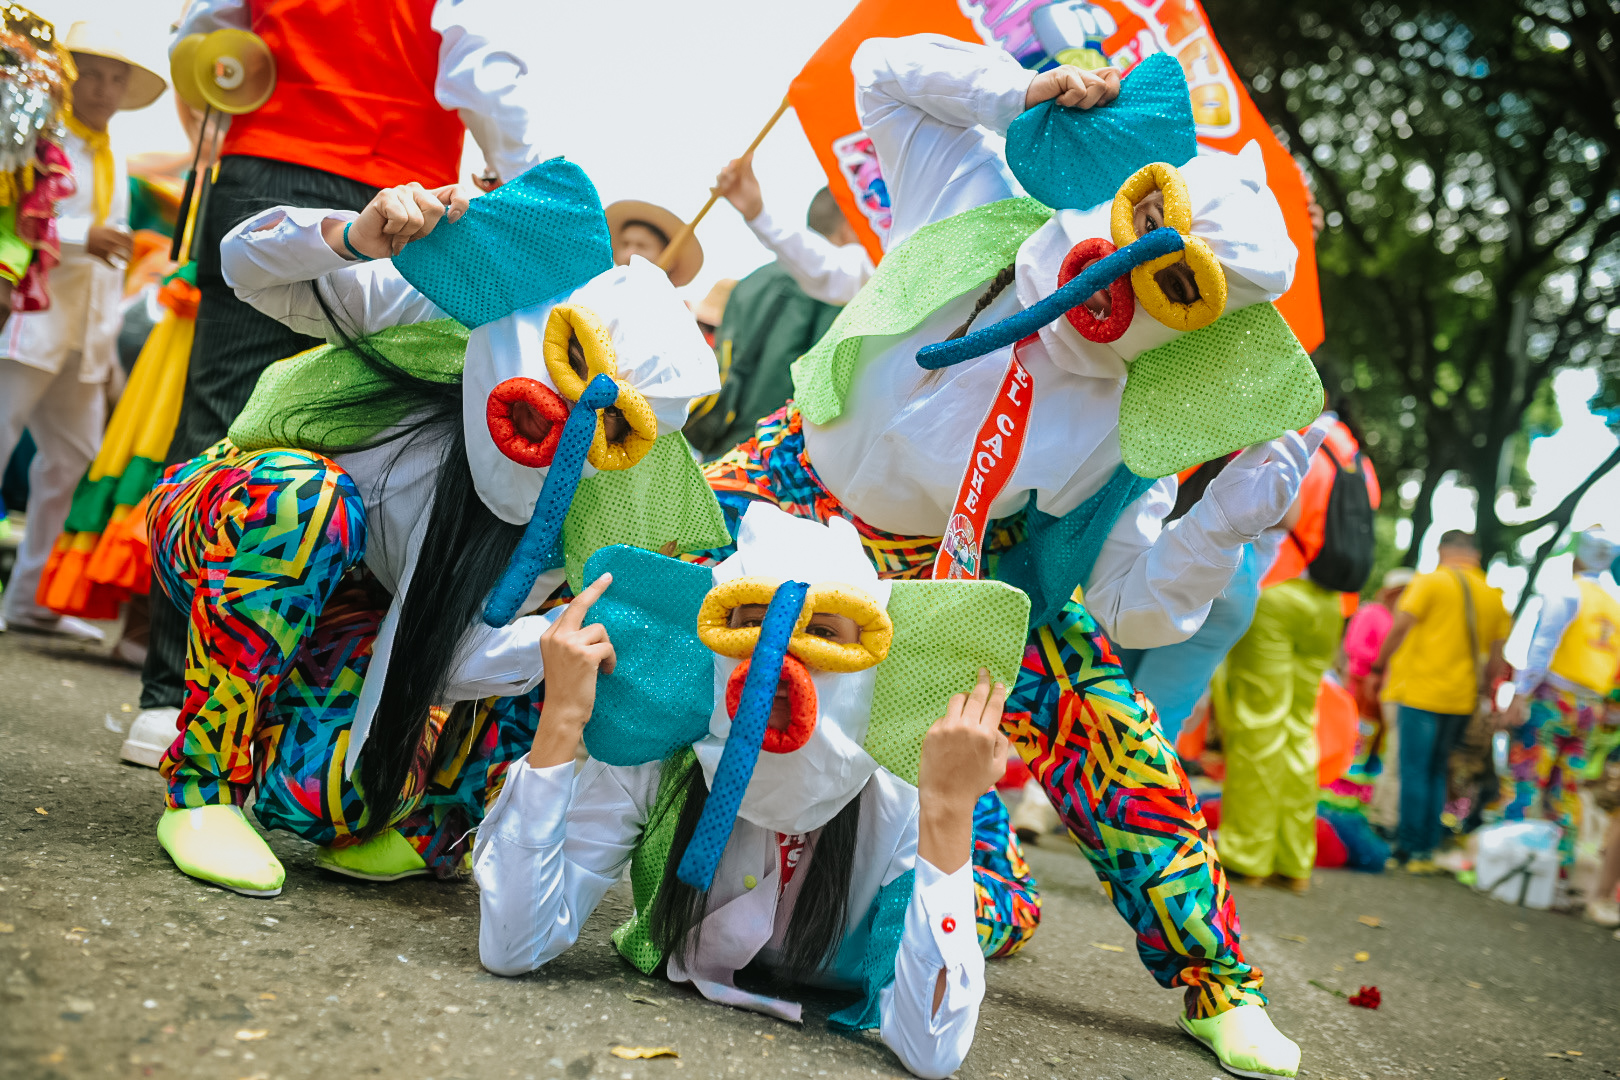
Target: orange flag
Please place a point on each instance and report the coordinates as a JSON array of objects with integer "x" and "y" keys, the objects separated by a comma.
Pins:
[{"x": 1038, "y": 33}]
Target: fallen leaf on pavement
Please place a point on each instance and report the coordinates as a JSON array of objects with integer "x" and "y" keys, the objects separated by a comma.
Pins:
[
  {"x": 1370, "y": 920},
  {"x": 249, "y": 1036},
  {"x": 1106, "y": 948},
  {"x": 267, "y": 996},
  {"x": 640, "y": 999},
  {"x": 1471, "y": 984},
  {"x": 631, "y": 1053},
  {"x": 42, "y": 811},
  {"x": 1574, "y": 1053},
  {"x": 1301, "y": 938},
  {"x": 7, "y": 928},
  {"x": 1362, "y": 957}
]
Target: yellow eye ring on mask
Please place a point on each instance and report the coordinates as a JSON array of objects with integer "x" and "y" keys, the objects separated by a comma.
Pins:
[
  {"x": 1206, "y": 269},
  {"x": 633, "y": 446},
  {"x": 575, "y": 321},
  {"x": 714, "y": 627},
  {"x": 876, "y": 630}
]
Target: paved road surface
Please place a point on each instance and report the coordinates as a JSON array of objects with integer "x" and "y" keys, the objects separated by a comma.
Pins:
[{"x": 113, "y": 964}]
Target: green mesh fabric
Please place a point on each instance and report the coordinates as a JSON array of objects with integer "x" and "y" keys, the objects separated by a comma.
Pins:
[
  {"x": 944, "y": 632},
  {"x": 934, "y": 266},
  {"x": 648, "y": 860},
  {"x": 1240, "y": 380},
  {"x": 663, "y": 498},
  {"x": 298, "y": 401}
]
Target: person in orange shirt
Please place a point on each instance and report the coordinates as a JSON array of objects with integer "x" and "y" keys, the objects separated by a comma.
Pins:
[{"x": 1265, "y": 696}]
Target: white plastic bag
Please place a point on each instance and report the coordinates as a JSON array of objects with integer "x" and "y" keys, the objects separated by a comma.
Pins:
[{"x": 1518, "y": 862}]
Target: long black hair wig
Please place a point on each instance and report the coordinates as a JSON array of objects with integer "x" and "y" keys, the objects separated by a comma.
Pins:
[
  {"x": 817, "y": 924},
  {"x": 465, "y": 549}
]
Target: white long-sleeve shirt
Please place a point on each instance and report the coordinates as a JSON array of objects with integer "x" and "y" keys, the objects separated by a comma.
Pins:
[
  {"x": 1559, "y": 606},
  {"x": 87, "y": 295},
  {"x": 480, "y": 74},
  {"x": 555, "y": 842},
  {"x": 273, "y": 260},
  {"x": 936, "y": 111},
  {"x": 826, "y": 271}
]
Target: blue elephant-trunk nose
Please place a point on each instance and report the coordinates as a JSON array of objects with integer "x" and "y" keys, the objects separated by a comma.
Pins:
[
  {"x": 1015, "y": 328},
  {"x": 747, "y": 734},
  {"x": 534, "y": 554}
]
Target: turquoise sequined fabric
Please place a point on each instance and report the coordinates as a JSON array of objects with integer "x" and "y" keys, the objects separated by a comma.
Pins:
[
  {"x": 1073, "y": 159},
  {"x": 532, "y": 238}
]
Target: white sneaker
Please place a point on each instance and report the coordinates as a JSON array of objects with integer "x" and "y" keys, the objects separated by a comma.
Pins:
[
  {"x": 68, "y": 626},
  {"x": 1603, "y": 912},
  {"x": 150, "y": 736}
]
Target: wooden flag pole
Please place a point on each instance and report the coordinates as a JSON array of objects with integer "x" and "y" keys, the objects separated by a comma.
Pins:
[{"x": 667, "y": 259}]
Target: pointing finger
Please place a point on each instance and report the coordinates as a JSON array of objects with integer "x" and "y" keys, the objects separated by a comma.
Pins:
[{"x": 573, "y": 617}]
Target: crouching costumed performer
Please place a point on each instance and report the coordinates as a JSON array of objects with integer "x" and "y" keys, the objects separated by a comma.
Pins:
[
  {"x": 768, "y": 755},
  {"x": 364, "y": 558},
  {"x": 1074, "y": 306}
]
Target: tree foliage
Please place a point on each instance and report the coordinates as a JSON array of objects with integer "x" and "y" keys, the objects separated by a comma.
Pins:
[{"x": 1467, "y": 156}]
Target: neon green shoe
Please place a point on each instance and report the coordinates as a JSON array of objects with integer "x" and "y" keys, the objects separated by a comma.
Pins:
[
  {"x": 388, "y": 856},
  {"x": 1246, "y": 1042},
  {"x": 217, "y": 845}
]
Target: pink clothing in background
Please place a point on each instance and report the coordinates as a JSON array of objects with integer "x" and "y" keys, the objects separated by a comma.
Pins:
[{"x": 1365, "y": 636}]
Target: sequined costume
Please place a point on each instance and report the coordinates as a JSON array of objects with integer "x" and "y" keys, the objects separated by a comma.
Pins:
[{"x": 1087, "y": 736}]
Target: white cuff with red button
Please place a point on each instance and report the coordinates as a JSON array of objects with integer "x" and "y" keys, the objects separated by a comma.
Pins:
[{"x": 944, "y": 902}]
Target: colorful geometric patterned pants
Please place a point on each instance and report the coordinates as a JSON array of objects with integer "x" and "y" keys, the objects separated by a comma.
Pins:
[
  {"x": 1548, "y": 757},
  {"x": 1009, "y": 907},
  {"x": 1088, "y": 737},
  {"x": 264, "y": 551}
]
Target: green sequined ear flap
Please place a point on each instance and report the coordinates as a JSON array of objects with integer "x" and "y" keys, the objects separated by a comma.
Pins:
[
  {"x": 662, "y": 499},
  {"x": 1240, "y": 380},
  {"x": 660, "y": 693},
  {"x": 944, "y": 632}
]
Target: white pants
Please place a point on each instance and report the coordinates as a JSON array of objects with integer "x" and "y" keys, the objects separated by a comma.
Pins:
[{"x": 66, "y": 418}]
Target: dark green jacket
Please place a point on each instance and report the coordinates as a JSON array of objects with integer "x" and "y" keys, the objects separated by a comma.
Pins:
[{"x": 768, "y": 324}]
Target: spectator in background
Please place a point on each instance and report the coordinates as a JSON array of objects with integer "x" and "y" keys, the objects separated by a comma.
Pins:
[
  {"x": 1445, "y": 641},
  {"x": 1558, "y": 699},
  {"x": 826, "y": 260},
  {"x": 1266, "y": 701},
  {"x": 1363, "y": 637},
  {"x": 55, "y": 364},
  {"x": 367, "y": 96},
  {"x": 776, "y": 313},
  {"x": 645, "y": 229}
]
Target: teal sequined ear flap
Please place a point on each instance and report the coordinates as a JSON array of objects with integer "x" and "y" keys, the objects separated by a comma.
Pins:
[
  {"x": 660, "y": 694},
  {"x": 944, "y": 633},
  {"x": 1073, "y": 159}
]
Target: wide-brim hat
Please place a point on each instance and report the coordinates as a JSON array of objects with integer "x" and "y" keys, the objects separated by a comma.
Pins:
[
  {"x": 690, "y": 259},
  {"x": 712, "y": 308},
  {"x": 145, "y": 85}
]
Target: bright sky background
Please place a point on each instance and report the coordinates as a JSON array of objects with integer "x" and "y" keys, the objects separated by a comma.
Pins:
[{"x": 669, "y": 95}]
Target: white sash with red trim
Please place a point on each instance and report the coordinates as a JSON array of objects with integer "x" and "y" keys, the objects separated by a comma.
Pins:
[{"x": 996, "y": 451}]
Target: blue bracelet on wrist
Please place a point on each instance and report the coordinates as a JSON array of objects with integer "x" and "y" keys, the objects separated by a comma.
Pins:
[{"x": 356, "y": 252}]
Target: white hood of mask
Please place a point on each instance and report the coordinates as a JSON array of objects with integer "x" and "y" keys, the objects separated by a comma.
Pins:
[
  {"x": 660, "y": 352},
  {"x": 1233, "y": 211},
  {"x": 802, "y": 790}
]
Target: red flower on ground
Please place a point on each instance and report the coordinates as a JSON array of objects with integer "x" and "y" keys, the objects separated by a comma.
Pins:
[{"x": 1368, "y": 998}]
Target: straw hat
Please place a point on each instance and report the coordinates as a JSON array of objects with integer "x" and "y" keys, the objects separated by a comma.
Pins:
[
  {"x": 712, "y": 308},
  {"x": 145, "y": 85},
  {"x": 690, "y": 259}
]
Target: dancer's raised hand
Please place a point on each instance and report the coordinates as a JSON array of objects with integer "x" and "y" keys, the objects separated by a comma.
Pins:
[
  {"x": 1074, "y": 87},
  {"x": 574, "y": 654},
  {"x": 963, "y": 755}
]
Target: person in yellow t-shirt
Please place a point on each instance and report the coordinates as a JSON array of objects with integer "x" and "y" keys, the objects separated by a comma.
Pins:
[
  {"x": 1434, "y": 668},
  {"x": 1558, "y": 694}
]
